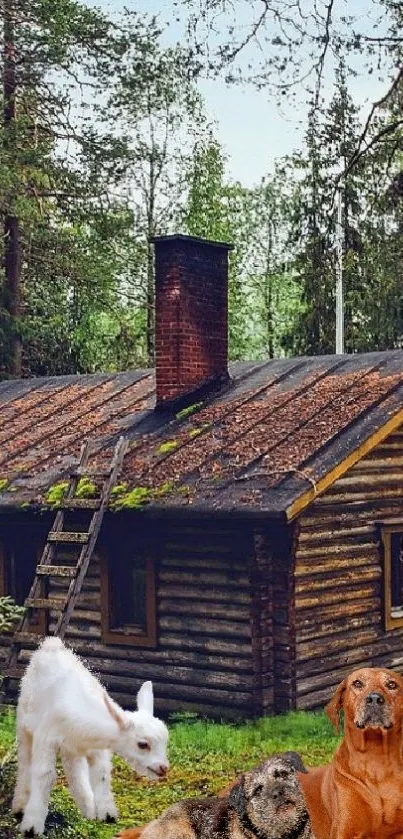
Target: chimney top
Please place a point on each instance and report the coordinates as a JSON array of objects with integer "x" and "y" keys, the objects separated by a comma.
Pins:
[
  {"x": 183, "y": 237},
  {"x": 191, "y": 317}
]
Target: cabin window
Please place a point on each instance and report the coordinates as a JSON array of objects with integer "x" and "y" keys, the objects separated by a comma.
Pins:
[
  {"x": 128, "y": 595},
  {"x": 18, "y": 561},
  {"x": 392, "y": 538}
]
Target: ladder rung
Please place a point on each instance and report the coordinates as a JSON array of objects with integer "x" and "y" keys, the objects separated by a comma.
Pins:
[
  {"x": 56, "y": 571},
  {"x": 68, "y": 536},
  {"x": 13, "y": 672},
  {"x": 87, "y": 472},
  {"x": 22, "y": 637},
  {"x": 81, "y": 503},
  {"x": 44, "y": 603}
]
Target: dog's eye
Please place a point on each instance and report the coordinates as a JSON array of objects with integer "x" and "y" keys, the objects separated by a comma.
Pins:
[
  {"x": 391, "y": 685},
  {"x": 357, "y": 683},
  {"x": 281, "y": 773},
  {"x": 258, "y": 789},
  {"x": 142, "y": 744}
]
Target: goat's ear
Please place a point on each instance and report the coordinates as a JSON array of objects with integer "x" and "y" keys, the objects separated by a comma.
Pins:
[
  {"x": 116, "y": 712},
  {"x": 335, "y": 705},
  {"x": 145, "y": 698},
  {"x": 237, "y": 798}
]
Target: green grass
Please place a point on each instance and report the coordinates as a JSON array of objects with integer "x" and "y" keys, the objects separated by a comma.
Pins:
[{"x": 204, "y": 757}]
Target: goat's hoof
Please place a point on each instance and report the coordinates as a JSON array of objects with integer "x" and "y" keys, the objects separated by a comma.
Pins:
[
  {"x": 29, "y": 828},
  {"x": 110, "y": 819}
]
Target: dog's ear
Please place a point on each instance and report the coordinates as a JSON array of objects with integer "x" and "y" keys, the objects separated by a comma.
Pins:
[
  {"x": 237, "y": 798},
  {"x": 295, "y": 760},
  {"x": 335, "y": 705}
]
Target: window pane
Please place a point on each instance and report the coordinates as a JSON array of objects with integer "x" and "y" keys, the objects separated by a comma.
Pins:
[
  {"x": 129, "y": 593},
  {"x": 397, "y": 569}
]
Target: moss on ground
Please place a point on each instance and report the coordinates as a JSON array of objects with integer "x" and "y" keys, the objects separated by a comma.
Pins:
[{"x": 204, "y": 757}]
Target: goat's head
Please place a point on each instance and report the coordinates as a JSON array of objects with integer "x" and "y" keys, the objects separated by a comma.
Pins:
[{"x": 142, "y": 738}]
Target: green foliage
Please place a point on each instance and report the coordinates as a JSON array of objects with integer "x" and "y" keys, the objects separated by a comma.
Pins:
[
  {"x": 198, "y": 429},
  {"x": 138, "y": 497},
  {"x": 55, "y": 494},
  {"x": 86, "y": 488},
  {"x": 168, "y": 446},
  {"x": 134, "y": 499},
  {"x": 3, "y": 484},
  {"x": 119, "y": 489},
  {"x": 205, "y": 756},
  {"x": 187, "y": 412},
  {"x": 9, "y": 613}
]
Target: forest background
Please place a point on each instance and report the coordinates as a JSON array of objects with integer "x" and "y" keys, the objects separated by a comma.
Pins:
[{"x": 106, "y": 141}]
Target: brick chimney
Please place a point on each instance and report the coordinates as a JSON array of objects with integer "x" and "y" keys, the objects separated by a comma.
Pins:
[{"x": 191, "y": 317}]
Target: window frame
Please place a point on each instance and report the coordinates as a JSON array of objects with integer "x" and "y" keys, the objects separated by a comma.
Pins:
[
  {"x": 40, "y": 625},
  {"x": 111, "y": 635},
  {"x": 387, "y": 530}
]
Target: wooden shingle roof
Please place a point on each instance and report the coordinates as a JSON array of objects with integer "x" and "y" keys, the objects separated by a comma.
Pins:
[{"x": 279, "y": 434}]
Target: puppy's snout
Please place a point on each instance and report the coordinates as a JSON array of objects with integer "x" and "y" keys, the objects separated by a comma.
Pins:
[
  {"x": 374, "y": 698},
  {"x": 162, "y": 770},
  {"x": 279, "y": 793}
]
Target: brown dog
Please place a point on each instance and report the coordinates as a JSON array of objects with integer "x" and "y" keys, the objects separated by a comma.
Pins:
[
  {"x": 266, "y": 802},
  {"x": 360, "y": 794}
]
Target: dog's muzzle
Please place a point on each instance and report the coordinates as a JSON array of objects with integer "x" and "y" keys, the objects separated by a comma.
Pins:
[
  {"x": 374, "y": 712},
  {"x": 282, "y": 796}
]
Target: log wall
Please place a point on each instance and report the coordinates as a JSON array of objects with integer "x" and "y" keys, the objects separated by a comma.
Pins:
[
  {"x": 338, "y": 577},
  {"x": 214, "y": 652}
]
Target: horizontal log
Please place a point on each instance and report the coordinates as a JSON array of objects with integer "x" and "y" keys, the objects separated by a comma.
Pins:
[
  {"x": 180, "y": 675},
  {"x": 220, "y": 646},
  {"x": 220, "y": 594},
  {"x": 207, "y": 578},
  {"x": 334, "y": 564},
  {"x": 198, "y": 693},
  {"x": 192, "y": 658},
  {"x": 355, "y": 482},
  {"x": 336, "y": 548},
  {"x": 190, "y": 560},
  {"x": 211, "y": 627},
  {"x": 73, "y": 632},
  {"x": 317, "y": 531},
  {"x": 363, "y": 511},
  {"x": 316, "y": 628},
  {"x": 165, "y": 706},
  {"x": 334, "y": 496},
  {"x": 204, "y": 608},
  {"x": 345, "y": 578},
  {"x": 353, "y": 592}
]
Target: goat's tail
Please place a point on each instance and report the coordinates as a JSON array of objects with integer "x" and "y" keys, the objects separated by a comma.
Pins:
[{"x": 51, "y": 643}]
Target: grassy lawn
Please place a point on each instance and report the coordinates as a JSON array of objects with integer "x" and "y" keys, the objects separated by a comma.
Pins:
[{"x": 204, "y": 757}]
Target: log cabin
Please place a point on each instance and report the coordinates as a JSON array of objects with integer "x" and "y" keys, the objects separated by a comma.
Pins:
[{"x": 253, "y": 552}]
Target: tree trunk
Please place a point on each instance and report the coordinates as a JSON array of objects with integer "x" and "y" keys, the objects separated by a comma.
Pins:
[
  {"x": 12, "y": 241},
  {"x": 150, "y": 305}
]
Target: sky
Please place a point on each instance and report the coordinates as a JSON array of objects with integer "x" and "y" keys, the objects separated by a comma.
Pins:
[{"x": 252, "y": 129}]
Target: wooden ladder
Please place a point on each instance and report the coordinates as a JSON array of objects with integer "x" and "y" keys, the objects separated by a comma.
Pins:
[{"x": 48, "y": 567}]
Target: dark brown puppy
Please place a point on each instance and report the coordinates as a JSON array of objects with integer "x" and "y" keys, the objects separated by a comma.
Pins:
[{"x": 265, "y": 803}]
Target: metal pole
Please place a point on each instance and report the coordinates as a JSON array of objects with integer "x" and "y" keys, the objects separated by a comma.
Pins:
[{"x": 339, "y": 278}]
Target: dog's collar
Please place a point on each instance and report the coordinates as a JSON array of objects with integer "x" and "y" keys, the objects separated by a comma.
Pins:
[{"x": 292, "y": 834}]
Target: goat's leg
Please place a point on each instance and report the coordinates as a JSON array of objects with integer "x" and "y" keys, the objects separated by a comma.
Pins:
[
  {"x": 43, "y": 776},
  {"x": 78, "y": 778},
  {"x": 100, "y": 768},
  {"x": 22, "y": 787}
]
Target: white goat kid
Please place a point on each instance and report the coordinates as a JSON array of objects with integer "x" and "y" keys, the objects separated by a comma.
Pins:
[{"x": 63, "y": 707}]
